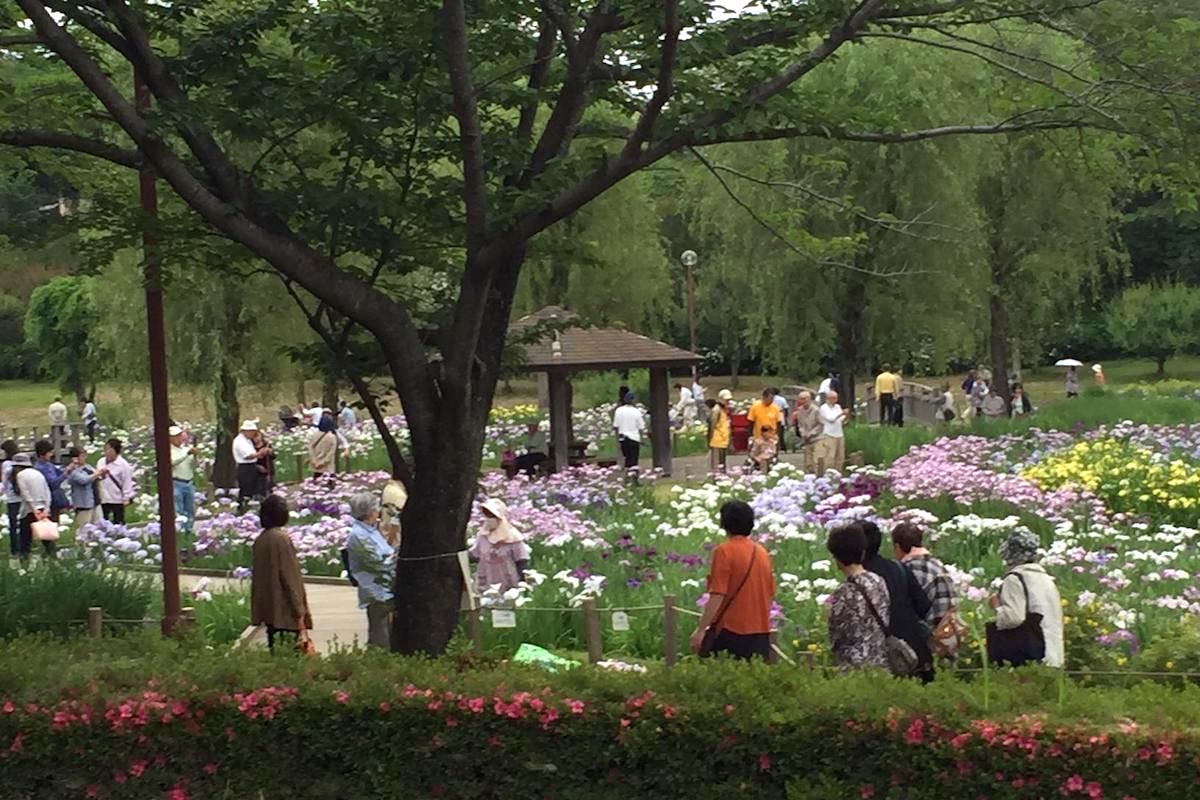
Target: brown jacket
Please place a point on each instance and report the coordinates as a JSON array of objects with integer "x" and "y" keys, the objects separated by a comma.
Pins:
[
  {"x": 807, "y": 422},
  {"x": 277, "y": 595}
]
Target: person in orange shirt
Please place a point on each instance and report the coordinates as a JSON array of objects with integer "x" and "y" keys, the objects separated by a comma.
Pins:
[{"x": 741, "y": 588}]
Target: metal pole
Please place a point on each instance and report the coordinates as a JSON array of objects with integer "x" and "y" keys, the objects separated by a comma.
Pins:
[
  {"x": 691, "y": 301},
  {"x": 156, "y": 336}
]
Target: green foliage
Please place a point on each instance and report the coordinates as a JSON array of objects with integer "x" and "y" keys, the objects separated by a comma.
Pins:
[
  {"x": 18, "y": 358},
  {"x": 60, "y": 322},
  {"x": 388, "y": 727},
  {"x": 1156, "y": 321},
  {"x": 54, "y": 596}
]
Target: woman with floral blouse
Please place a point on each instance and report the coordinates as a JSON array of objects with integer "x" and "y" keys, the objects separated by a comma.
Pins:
[{"x": 855, "y": 635}]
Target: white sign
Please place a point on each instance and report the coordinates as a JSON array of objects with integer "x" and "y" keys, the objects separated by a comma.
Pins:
[
  {"x": 503, "y": 618},
  {"x": 620, "y": 621}
]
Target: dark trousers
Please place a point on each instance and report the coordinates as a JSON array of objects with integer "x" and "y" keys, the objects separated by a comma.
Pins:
[
  {"x": 285, "y": 636},
  {"x": 887, "y": 409},
  {"x": 631, "y": 450},
  {"x": 743, "y": 646},
  {"x": 91, "y": 432},
  {"x": 529, "y": 463},
  {"x": 25, "y": 540},
  {"x": 783, "y": 438},
  {"x": 114, "y": 512},
  {"x": 249, "y": 484},
  {"x": 14, "y": 528}
]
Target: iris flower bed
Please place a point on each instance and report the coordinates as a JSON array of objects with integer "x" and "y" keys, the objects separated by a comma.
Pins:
[{"x": 1113, "y": 506}]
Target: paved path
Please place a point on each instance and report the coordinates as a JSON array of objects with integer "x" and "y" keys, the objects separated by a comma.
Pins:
[{"x": 337, "y": 619}]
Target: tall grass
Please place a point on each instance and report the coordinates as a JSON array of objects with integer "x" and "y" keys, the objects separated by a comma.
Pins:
[{"x": 54, "y": 597}]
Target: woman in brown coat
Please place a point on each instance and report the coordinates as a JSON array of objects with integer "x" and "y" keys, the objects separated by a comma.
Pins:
[{"x": 277, "y": 597}]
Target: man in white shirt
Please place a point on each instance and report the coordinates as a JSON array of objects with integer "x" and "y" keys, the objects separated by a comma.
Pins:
[
  {"x": 347, "y": 418},
  {"x": 832, "y": 446},
  {"x": 183, "y": 474},
  {"x": 697, "y": 391},
  {"x": 685, "y": 409},
  {"x": 246, "y": 453},
  {"x": 629, "y": 425},
  {"x": 89, "y": 419}
]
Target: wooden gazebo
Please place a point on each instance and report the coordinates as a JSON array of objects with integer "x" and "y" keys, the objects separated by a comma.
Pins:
[{"x": 561, "y": 353}]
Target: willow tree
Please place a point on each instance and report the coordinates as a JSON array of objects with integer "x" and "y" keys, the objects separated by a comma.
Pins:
[{"x": 457, "y": 132}]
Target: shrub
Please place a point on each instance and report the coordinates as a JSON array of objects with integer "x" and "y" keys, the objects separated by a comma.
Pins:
[
  {"x": 162, "y": 719},
  {"x": 54, "y": 596}
]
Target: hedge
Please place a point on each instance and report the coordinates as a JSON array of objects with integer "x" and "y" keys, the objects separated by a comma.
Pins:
[{"x": 142, "y": 718}]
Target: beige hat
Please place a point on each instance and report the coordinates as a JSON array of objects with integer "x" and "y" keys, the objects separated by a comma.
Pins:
[
  {"x": 249, "y": 425},
  {"x": 174, "y": 430},
  {"x": 725, "y": 395}
]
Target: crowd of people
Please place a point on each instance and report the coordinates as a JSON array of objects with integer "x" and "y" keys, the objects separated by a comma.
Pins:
[{"x": 898, "y": 614}]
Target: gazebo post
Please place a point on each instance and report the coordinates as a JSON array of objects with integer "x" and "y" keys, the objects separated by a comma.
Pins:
[
  {"x": 560, "y": 419},
  {"x": 660, "y": 422}
]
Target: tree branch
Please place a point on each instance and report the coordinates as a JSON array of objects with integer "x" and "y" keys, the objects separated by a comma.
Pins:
[
  {"x": 60, "y": 140},
  {"x": 892, "y": 137},
  {"x": 666, "y": 85},
  {"x": 537, "y": 79},
  {"x": 18, "y": 40},
  {"x": 454, "y": 34}
]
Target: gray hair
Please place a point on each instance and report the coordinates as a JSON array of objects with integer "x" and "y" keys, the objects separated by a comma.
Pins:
[{"x": 362, "y": 504}]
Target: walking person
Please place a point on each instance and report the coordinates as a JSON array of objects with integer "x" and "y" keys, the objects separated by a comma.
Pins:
[
  {"x": 741, "y": 589},
  {"x": 1072, "y": 382},
  {"x": 629, "y": 425},
  {"x": 698, "y": 391},
  {"x": 1029, "y": 620},
  {"x": 347, "y": 417},
  {"x": 1098, "y": 375},
  {"x": 719, "y": 431},
  {"x": 59, "y": 427},
  {"x": 372, "y": 564},
  {"x": 31, "y": 485},
  {"x": 887, "y": 389},
  {"x": 81, "y": 477},
  {"x": 685, "y": 409},
  {"x": 277, "y": 596},
  {"x": 831, "y": 447},
  {"x": 908, "y": 603},
  {"x": 806, "y": 421},
  {"x": 857, "y": 638},
  {"x": 246, "y": 454},
  {"x": 322, "y": 446},
  {"x": 782, "y": 404},
  {"x": 183, "y": 478},
  {"x": 90, "y": 419},
  {"x": 12, "y": 498},
  {"x": 115, "y": 475},
  {"x": 499, "y": 550}
]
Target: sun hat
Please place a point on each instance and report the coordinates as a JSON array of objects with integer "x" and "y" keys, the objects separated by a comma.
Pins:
[
  {"x": 1097, "y": 368},
  {"x": 249, "y": 425},
  {"x": 22, "y": 460},
  {"x": 174, "y": 430},
  {"x": 504, "y": 532},
  {"x": 1021, "y": 547},
  {"x": 725, "y": 394}
]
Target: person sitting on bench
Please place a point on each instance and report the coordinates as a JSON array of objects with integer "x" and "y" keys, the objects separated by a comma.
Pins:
[{"x": 536, "y": 450}]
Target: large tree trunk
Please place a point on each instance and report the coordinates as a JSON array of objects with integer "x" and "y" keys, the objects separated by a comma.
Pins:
[
  {"x": 224, "y": 471},
  {"x": 998, "y": 341},
  {"x": 329, "y": 385},
  {"x": 447, "y": 451},
  {"x": 1162, "y": 365},
  {"x": 735, "y": 360}
]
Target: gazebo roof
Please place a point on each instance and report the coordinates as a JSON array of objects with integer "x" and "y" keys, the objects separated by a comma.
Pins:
[{"x": 595, "y": 348}]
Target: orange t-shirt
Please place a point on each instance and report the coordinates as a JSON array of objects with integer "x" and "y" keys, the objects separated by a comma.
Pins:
[{"x": 750, "y": 611}]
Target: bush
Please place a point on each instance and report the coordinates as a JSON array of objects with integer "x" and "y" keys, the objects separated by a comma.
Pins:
[
  {"x": 54, "y": 596},
  {"x": 161, "y": 719}
]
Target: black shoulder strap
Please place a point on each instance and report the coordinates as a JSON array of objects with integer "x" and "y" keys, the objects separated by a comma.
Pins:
[
  {"x": 870, "y": 606},
  {"x": 1024, "y": 588},
  {"x": 729, "y": 600}
]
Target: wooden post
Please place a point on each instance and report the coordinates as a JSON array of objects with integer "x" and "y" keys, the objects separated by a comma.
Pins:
[
  {"x": 95, "y": 622},
  {"x": 821, "y": 465},
  {"x": 773, "y": 655},
  {"x": 670, "y": 630},
  {"x": 857, "y": 459},
  {"x": 187, "y": 618},
  {"x": 591, "y": 627},
  {"x": 475, "y": 630},
  {"x": 660, "y": 423},
  {"x": 299, "y": 467},
  {"x": 560, "y": 420}
]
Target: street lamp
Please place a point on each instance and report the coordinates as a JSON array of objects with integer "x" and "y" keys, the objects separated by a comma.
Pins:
[{"x": 690, "y": 260}]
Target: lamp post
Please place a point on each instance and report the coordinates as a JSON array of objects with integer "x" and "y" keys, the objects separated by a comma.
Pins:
[{"x": 690, "y": 259}]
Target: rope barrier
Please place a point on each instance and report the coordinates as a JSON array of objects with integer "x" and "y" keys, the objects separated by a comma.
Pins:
[{"x": 430, "y": 558}]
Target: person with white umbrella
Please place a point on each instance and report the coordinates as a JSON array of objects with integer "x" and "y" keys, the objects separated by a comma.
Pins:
[{"x": 1072, "y": 380}]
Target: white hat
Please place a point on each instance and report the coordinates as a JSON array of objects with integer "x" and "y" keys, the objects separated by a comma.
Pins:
[
  {"x": 725, "y": 394},
  {"x": 1097, "y": 368},
  {"x": 249, "y": 425},
  {"x": 174, "y": 430}
]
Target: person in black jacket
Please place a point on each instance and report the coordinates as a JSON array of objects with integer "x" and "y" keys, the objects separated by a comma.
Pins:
[{"x": 909, "y": 603}]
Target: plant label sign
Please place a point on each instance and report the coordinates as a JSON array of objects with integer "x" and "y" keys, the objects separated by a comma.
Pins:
[
  {"x": 620, "y": 621},
  {"x": 504, "y": 618}
]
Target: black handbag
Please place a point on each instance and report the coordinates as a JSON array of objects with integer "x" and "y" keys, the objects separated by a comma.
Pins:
[
  {"x": 710, "y": 636},
  {"x": 1024, "y": 644}
]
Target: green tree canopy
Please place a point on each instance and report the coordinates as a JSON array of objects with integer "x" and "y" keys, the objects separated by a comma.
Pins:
[
  {"x": 1156, "y": 321},
  {"x": 61, "y": 322}
]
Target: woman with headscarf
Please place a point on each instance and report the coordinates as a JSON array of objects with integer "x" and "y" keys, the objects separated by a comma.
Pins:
[
  {"x": 1028, "y": 597},
  {"x": 499, "y": 549},
  {"x": 322, "y": 445}
]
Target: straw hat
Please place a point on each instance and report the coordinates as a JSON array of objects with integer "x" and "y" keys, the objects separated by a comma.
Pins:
[
  {"x": 725, "y": 395},
  {"x": 249, "y": 425}
]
